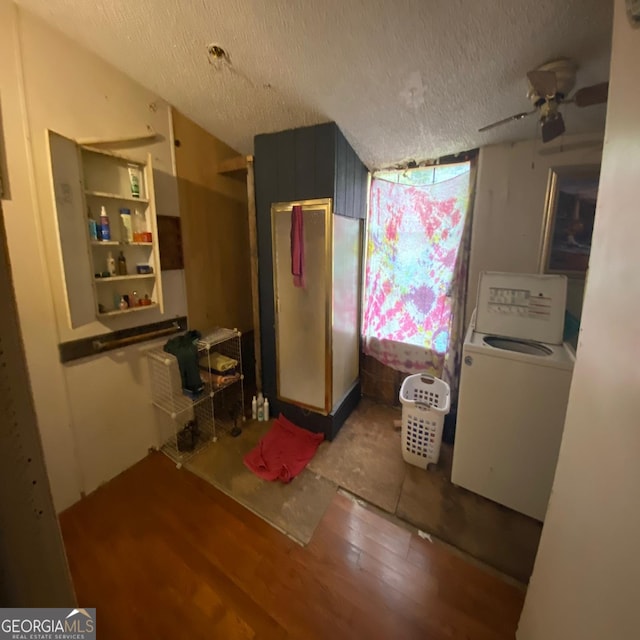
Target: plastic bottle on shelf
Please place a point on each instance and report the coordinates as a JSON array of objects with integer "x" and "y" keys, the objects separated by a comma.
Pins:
[
  {"x": 254, "y": 408},
  {"x": 126, "y": 230},
  {"x": 111, "y": 264},
  {"x": 265, "y": 412},
  {"x": 260, "y": 407},
  {"x": 134, "y": 180},
  {"x": 105, "y": 229},
  {"x": 148, "y": 237},
  {"x": 122, "y": 265},
  {"x": 93, "y": 226},
  {"x": 139, "y": 226}
]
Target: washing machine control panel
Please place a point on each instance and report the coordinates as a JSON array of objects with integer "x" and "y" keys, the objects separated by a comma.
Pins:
[{"x": 525, "y": 306}]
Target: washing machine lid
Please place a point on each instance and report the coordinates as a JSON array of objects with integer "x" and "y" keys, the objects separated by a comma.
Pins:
[
  {"x": 525, "y": 306},
  {"x": 560, "y": 356}
]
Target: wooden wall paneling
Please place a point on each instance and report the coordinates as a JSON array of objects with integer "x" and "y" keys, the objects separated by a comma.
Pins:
[
  {"x": 364, "y": 195},
  {"x": 359, "y": 188},
  {"x": 286, "y": 163},
  {"x": 350, "y": 182},
  {"x": 325, "y": 159},
  {"x": 304, "y": 170},
  {"x": 215, "y": 231},
  {"x": 340, "y": 198},
  {"x": 355, "y": 187},
  {"x": 217, "y": 272}
]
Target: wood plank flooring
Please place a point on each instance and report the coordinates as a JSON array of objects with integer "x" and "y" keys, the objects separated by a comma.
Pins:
[{"x": 162, "y": 554}]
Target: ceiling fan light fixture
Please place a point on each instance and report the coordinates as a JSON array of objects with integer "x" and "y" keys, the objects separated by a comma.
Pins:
[{"x": 552, "y": 126}]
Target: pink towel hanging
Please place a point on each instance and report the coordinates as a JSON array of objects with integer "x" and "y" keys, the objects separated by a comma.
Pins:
[{"x": 297, "y": 246}]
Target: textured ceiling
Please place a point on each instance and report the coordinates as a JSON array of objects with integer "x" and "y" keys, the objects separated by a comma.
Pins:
[{"x": 404, "y": 79}]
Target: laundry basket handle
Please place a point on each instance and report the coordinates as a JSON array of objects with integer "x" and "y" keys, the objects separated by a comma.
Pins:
[{"x": 427, "y": 378}]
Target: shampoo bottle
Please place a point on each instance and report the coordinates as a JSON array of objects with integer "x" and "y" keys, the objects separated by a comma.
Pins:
[
  {"x": 254, "y": 408},
  {"x": 105, "y": 230},
  {"x": 265, "y": 413},
  {"x": 126, "y": 233}
]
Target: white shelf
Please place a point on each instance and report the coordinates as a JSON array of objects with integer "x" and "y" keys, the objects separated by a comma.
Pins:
[
  {"x": 115, "y": 196},
  {"x": 119, "y": 312},
  {"x": 111, "y": 243},
  {"x": 216, "y": 336},
  {"x": 111, "y": 154},
  {"x": 209, "y": 409},
  {"x": 137, "y": 276}
]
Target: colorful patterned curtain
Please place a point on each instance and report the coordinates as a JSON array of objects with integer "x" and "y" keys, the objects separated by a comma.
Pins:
[{"x": 415, "y": 274}]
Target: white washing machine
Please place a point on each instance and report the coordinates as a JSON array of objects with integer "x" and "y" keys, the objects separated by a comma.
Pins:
[{"x": 514, "y": 388}]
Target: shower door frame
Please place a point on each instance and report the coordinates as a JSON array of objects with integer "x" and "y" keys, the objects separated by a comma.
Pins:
[{"x": 279, "y": 209}]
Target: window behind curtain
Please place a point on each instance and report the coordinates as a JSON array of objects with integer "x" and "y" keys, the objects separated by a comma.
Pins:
[{"x": 414, "y": 230}]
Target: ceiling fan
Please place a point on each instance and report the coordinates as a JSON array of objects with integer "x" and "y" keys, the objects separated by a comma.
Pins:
[{"x": 549, "y": 87}]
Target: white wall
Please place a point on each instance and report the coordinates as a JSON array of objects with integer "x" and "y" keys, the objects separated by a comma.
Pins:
[
  {"x": 94, "y": 415},
  {"x": 586, "y": 580},
  {"x": 509, "y": 205}
]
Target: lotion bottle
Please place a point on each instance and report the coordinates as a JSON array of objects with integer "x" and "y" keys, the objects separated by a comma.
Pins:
[
  {"x": 260, "y": 407},
  {"x": 111, "y": 264}
]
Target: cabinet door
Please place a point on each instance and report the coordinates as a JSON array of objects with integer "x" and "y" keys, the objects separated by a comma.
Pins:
[
  {"x": 153, "y": 227},
  {"x": 66, "y": 177}
]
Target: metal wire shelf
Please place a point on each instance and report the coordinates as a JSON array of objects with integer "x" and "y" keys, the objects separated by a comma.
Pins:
[{"x": 195, "y": 421}]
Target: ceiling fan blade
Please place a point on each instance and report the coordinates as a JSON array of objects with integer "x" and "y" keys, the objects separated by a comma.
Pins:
[
  {"x": 517, "y": 116},
  {"x": 552, "y": 127},
  {"x": 543, "y": 82},
  {"x": 595, "y": 94}
]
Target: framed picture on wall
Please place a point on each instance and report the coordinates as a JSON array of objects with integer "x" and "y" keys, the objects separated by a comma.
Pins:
[{"x": 570, "y": 209}]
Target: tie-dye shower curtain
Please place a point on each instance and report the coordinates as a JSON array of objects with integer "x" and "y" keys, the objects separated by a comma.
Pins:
[{"x": 415, "y": 274}]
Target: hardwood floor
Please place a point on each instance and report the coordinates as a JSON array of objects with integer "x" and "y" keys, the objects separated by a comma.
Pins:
[{"x": 162, "y": 554}]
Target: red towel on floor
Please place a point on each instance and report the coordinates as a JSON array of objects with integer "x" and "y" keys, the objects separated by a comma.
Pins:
[
  {"x": 297, "y": 246},
  {"x": 283, "y": 452}
]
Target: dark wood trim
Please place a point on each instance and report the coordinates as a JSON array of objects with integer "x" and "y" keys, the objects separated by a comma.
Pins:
[
  {"x": 255, "y": 268},
  {"x": 330, "y": 424},
  {"x": 97, "y": 344}
]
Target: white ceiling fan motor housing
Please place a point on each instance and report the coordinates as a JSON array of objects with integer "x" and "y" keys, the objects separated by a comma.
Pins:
[{"x": 565, "y": 70}]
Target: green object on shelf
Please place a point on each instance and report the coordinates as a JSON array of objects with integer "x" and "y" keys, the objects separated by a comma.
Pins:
[{"x": 183, "y": 347}]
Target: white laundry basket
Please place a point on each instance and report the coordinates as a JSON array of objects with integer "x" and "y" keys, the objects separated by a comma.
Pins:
[{"x": 425, "y": 402}]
